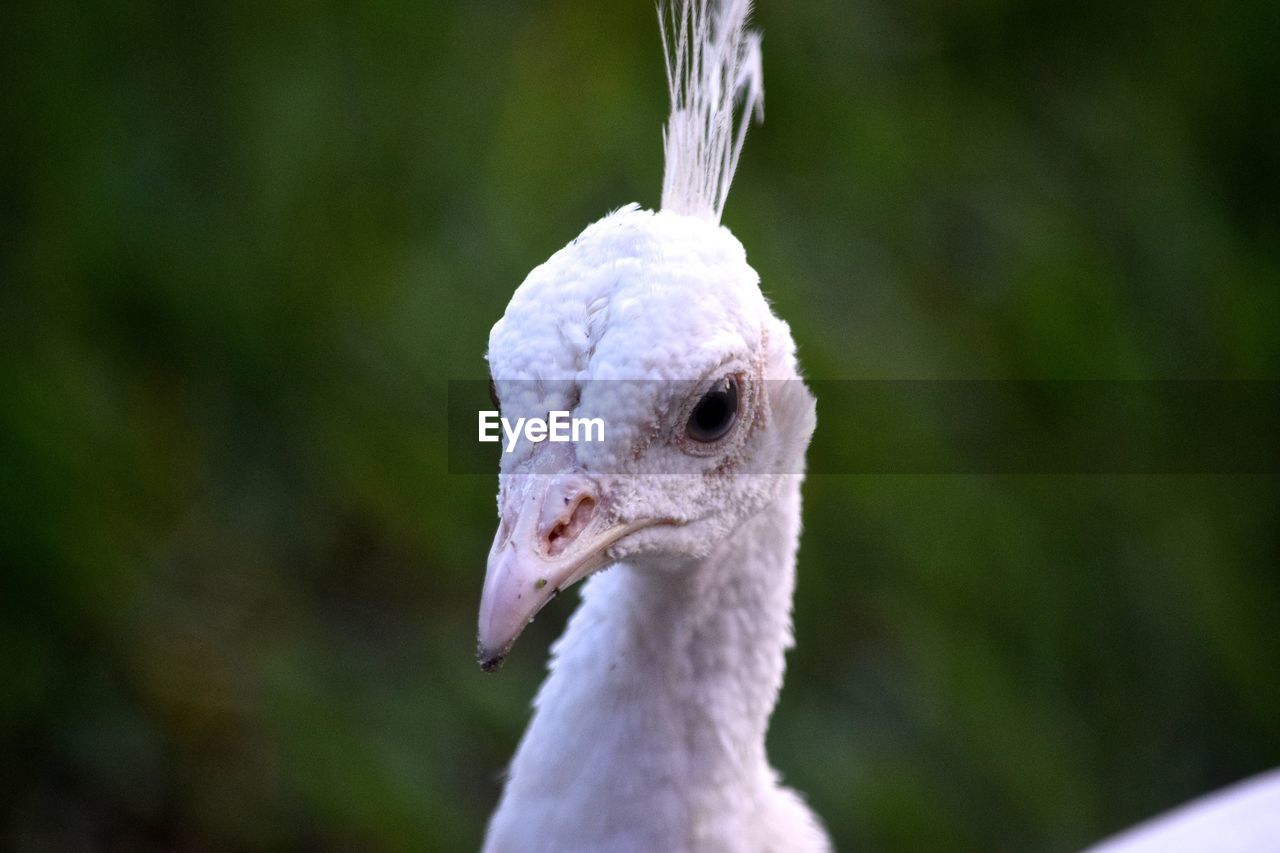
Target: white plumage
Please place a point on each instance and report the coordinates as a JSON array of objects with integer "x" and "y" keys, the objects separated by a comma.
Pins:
[
  {"x": 1243, "y": 818},
  {"x": 713, "y": 62},
  {"x": 648, "y": 734}
]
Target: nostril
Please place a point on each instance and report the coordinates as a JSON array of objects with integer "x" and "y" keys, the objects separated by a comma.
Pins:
[{"x": 570, "y": 525}]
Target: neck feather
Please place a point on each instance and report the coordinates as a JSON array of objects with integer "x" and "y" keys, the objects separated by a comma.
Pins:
[{"x": 650, "y": 729}]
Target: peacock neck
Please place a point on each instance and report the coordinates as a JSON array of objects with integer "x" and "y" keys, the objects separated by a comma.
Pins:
[{"x": 651, "y": 725}]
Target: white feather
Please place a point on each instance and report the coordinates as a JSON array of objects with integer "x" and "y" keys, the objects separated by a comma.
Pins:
[
  {"x": 1244, "y": 818},
  {"x": 713, "y": 65}
]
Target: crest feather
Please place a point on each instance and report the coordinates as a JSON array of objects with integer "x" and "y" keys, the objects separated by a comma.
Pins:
[{"x": 713, "y": 71}]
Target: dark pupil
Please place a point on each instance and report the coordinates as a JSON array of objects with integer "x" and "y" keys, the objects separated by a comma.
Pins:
[{"x": 715, "y": 412}]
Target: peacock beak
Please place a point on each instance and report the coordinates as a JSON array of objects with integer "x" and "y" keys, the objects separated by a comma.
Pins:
[{"x": 551, "y": 535}]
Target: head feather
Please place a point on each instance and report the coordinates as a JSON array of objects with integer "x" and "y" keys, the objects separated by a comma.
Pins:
[{"x": 713, "y": 71}]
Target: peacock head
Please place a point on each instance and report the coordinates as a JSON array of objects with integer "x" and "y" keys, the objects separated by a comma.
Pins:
[{"x": 654, "y": 325}]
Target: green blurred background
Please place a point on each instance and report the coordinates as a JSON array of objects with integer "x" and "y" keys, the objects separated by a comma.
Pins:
[{"x": 243, "y": 247}]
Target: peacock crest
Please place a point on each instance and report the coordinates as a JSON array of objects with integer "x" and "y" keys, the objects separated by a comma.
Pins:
[{"x": 716, "y": 82}]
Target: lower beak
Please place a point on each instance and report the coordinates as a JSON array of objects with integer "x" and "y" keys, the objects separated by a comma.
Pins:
[{"x": 552, "y": 535}]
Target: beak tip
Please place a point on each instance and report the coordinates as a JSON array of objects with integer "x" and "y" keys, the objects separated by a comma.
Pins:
[{"x": 489, "y": 659}]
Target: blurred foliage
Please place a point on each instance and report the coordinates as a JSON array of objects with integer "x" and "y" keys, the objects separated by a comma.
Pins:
[{"x": 245, "y": 246}]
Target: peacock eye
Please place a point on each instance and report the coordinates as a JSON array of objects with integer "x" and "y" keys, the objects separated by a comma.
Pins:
[
  {"x": 715, "y": 414},
  {"x": 493, "y": 395}
]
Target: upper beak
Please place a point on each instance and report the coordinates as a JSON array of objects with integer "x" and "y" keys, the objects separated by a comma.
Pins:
[{"x": 552, "y": 534}]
